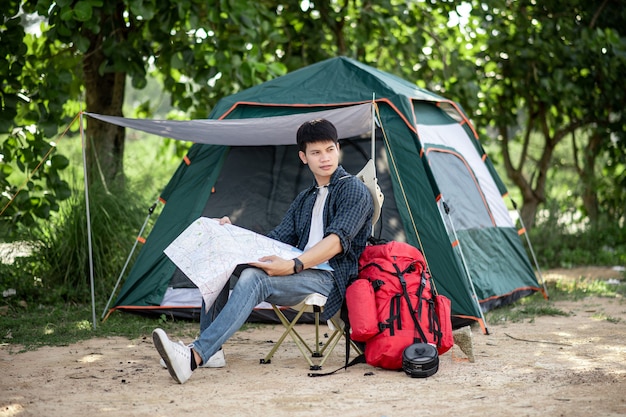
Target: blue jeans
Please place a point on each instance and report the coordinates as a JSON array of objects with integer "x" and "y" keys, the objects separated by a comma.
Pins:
[
  {"x": 253, "y": 287},
  {"x": 208, "y": 315}
]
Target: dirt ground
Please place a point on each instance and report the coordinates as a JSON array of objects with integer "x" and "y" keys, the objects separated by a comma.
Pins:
[{"x": 551, "y": 366}]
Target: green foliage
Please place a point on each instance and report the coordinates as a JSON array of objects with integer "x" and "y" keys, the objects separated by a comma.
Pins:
[
  {"x": 18, "y": 276},
  {"x": 64, "y": 249},
  {"x": 38, "y": 194},
  {"x": 547, "y": 73},
  {"x": 612, "y": 178},
  {"x": 33, "y": 102},
  {"x": 535, "y": 72},
  {"x": 58, "y": 268},
  {"x": 559, "y": 241}
]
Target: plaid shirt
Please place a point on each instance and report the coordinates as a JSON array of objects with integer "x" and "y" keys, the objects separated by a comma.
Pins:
[{"x": 347, "y": 213}]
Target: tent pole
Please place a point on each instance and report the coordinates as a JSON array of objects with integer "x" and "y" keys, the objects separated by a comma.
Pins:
[
  {"x": 373, "y": 140},
  {"x": 446, "y": 208},
  {"x": 88, "y": 213},
  {"x": 137, "y": 240},
  {"x": 530, "y": 247}
]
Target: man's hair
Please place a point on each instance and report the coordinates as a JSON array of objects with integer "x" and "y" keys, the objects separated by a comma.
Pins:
[{"x": 317, "y": 130}]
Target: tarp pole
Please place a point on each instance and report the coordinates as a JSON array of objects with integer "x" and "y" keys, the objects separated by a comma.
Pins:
[
  {"x": 446, "y": 208},
  {"x": 88, "y": 213},
  {"x": 373, "y": 133},
  {"x": 373, "y": 140},
  {"x": 143, "y": 227},
  {"x": 530, "y": 247}
]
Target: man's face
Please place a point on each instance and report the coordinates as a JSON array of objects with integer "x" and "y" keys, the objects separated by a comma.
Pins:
[{"x": 322, "y": 159}]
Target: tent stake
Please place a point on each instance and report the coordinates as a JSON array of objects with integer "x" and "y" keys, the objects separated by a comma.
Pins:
[
  {"x": 150, "y": 211},
  {"x": 88, "y": 213},
  {"x": 446, "y": 208}
]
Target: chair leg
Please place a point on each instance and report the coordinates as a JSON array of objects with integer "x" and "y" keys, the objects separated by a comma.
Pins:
[
  {"x": 290, "y": 330},
  {"x": 290, "y": 327},
  {"x": 316, "y": 353},
  {"x": 332, "y": 341}
]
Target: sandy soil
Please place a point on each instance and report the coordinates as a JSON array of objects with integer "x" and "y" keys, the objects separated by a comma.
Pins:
[{"x": 551, "y": 366}]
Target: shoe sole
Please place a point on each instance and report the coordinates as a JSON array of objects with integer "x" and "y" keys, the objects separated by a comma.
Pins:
[
  {"x": 156, "y": 339},
  {"x": 203, "y": 366}
]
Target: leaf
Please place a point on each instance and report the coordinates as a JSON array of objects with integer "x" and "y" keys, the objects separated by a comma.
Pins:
[
  {"x": 83, "y": 11},
  {"x": 63, "y": 3},
  {"x": 142, "y": 8},
  {"x": 5, "y": 170},
  {"x": 66, "y": 13},
  {"x": 82, "y": 43},
  {"x": 59, "y": 162},
  {"x": 63, "y": 191}
]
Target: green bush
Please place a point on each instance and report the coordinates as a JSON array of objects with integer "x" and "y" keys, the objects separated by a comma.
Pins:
[
  {"x": 63, "y": 249},
  {"x": 17, "y": 276},
  {"x": 563, "y": 245},
  {"x": 57, "y": 270}
]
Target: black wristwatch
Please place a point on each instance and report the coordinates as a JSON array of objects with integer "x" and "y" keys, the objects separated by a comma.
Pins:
[{"x": 298, "y": 266}]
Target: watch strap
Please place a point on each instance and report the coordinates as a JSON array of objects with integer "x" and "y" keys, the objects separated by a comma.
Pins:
[{"x": 298, "y": 266}]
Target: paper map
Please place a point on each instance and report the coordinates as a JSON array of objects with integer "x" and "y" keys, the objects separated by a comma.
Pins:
[{"x": 208, "y": 253}]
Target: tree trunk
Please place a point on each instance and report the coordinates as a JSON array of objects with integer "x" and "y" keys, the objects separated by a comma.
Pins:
[
  {"x": 533, "y": 189},
  {"x": 104, "y": 94},
  {"x": 588, "y": 177},
  {"x": 528, "y": 211}
]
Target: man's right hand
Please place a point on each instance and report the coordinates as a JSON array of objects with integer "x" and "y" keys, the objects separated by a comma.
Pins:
[{"x": 224, "y": 220}]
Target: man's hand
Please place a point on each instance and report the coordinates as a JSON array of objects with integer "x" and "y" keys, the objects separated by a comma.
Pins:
[
  {"x": 320, "y": 253},
  {"x": 274, "y": 266},
  {"x": 224, "y": 220}
]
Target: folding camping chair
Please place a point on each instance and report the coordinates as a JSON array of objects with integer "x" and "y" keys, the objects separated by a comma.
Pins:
[
  {"x": 315, "y": 302},
  {"x": 321, "y": 350}
]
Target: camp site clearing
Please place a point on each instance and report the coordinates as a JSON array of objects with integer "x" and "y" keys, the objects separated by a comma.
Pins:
[{"x": 571, "y": 365}]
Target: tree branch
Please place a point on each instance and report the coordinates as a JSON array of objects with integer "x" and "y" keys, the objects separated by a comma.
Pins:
[
  {"x": 596, "y": 15},
  {"x": 537, "y": 341},
  {"x": 575, "y": 152}
]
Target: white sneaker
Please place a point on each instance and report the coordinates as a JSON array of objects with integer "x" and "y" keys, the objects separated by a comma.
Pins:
[
  {"x": 177, "y": 357},
  {"x": 216, "y": 361}
]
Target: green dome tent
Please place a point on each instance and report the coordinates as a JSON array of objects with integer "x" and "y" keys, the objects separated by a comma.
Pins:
[{"x": 442, "y": 193}]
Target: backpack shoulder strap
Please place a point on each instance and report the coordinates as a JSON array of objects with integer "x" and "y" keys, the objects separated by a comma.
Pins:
[{"x": 408, "y": 301}]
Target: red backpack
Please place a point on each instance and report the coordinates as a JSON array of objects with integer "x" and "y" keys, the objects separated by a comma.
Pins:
[{"x": 378, "y": 310}]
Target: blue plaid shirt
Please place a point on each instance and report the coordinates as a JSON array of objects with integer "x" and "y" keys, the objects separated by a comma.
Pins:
[{"x": 347, "y": 213}]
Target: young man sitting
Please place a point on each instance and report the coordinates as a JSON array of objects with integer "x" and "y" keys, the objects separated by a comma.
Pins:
[{"x": 329, "y": 222}]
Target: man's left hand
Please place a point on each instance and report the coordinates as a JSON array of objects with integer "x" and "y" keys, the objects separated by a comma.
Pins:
[{"x": 274, "y": 266}]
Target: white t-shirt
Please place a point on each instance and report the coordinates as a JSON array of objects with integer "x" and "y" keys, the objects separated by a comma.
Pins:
[{"x": 317, "y": 220}]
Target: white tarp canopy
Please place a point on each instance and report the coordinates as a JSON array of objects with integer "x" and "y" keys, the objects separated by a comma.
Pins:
[{"x": 352, "y": 121}]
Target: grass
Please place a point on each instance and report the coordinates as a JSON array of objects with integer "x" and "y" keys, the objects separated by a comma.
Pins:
[
  {"x": 604, "y": 317},
  {"x": 29, "y": 328},
  {"x": 580, "y": 288},
  {"x": 528, "y": 308}
]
